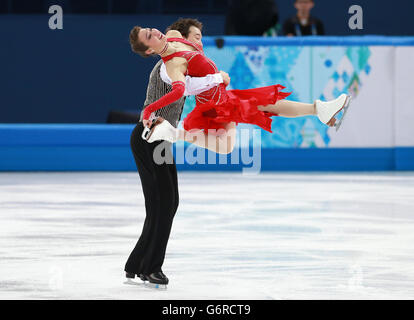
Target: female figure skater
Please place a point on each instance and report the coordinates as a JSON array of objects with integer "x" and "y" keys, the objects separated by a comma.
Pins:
[{"x": 216, "y": 108}]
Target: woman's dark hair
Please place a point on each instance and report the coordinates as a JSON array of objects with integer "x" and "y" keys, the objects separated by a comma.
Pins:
[
  {"x": 136, "y": 45},
  {"x": 183, "y": 26}
]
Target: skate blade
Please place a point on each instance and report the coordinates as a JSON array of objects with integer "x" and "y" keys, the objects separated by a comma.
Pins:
[
  {"x": 146, "y": 133},
  {"x": 155, "y": 286},
  {"x": 345, "y": 108},
  {"x": 133, "y": 283}
]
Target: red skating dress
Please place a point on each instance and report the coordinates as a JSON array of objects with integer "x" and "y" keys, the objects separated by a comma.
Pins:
[{"x": 217, "y": 107}]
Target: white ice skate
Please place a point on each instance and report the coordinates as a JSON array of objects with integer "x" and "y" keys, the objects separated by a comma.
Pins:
[
  {"x": 327, "y": 111},
  {"x": 160, "y": 129}
]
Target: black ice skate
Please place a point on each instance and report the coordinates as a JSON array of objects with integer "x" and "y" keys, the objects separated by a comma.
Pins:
[
  {"x": 157, "y": 280},
  {"x": 130, "y": 275}
]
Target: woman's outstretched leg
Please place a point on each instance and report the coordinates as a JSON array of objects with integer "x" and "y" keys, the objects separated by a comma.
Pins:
[
  {"x": 325, "y": 111},
  {"x": 290, "y": 109}
]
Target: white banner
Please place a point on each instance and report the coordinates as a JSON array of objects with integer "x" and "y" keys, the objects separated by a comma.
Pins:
[
  {"x": 369, "y": 120},
  {"x": 404, "y": 96}
]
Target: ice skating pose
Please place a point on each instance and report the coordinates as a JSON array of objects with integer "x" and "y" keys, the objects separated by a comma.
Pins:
[
  {"x": 159, "y": 181},
  {"x": 217, "y": 108}
]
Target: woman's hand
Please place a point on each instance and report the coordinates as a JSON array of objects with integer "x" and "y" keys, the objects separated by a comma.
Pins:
[{"x": 226, "y": 78}]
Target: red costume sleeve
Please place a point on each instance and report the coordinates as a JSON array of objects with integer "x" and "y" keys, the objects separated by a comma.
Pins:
[{"x": 176, "y": 93}]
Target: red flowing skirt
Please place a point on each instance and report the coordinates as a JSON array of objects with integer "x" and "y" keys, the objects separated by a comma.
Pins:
[{"x": 239, "y": 106}]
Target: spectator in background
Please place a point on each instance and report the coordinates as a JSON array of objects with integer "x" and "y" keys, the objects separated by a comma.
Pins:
[
  {"x": 250, "y": 17},
  {"x": 303, "y": 24},
  {"x": 274, "y": 30}
]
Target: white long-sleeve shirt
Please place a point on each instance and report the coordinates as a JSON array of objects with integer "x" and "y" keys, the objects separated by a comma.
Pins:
[{"x": 194, "y": 85}]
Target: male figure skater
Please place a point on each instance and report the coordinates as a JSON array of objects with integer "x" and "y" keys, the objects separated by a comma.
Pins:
[{"x": 159, "y": 181}]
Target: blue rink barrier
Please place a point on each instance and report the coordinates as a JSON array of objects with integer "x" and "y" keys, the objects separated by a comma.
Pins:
[{"x": 101, "y": 147}]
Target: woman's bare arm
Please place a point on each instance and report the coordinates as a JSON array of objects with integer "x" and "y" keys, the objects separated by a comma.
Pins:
[
  {"x": 176, "y": 69},
  {"x": 220, "y": 141},
  {"x": 174, "y": 34}
]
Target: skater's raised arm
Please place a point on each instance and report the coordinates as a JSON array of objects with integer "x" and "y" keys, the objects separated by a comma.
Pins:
[
  {"x": 196, "y": 85},
  {"x": 149, "y": 41},
  {"x": 175, "y": 69}
]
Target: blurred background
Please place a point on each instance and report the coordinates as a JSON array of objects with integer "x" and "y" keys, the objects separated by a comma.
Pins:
[{"x": 80, "y": 73}]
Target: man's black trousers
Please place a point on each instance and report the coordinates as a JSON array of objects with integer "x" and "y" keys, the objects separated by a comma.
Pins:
[{"x": 160, "y": 188}]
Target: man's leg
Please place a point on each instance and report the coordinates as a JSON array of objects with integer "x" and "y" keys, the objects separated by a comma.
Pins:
[
  {"x": 173, "y": 171},
  {"x": 158, "y": 188},
  {"x": 169, "y": 204}
]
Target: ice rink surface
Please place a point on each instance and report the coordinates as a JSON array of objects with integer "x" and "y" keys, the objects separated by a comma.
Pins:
[{"x": 235, "y": 236}]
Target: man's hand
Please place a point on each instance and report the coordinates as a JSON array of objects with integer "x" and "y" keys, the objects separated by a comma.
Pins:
[
  {"x": 147, "y": 123},
  {"x": 153, "y": 120},
  {"x": 226, "y": 77}
]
